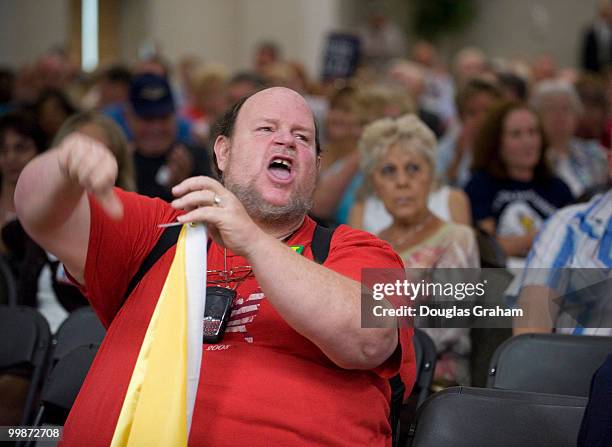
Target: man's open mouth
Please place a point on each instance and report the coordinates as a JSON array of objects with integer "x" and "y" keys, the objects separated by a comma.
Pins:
[{"x": 280, "y": 168}]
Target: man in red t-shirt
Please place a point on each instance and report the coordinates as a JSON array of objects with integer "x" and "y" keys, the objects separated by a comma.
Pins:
[{"x": 295, "y": 367}]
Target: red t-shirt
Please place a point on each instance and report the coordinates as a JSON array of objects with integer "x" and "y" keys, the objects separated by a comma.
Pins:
[{"x": 264, "y": 384}]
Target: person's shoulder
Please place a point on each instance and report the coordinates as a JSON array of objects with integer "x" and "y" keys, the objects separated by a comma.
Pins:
[
  {"x": 481, "y": 181},
  {"x": 566, "y": 214},
  {"x": 452, "y": 234},
  {"x": 459, "y": 230},
  {"x": 349, "y": 238},
  {"x": 480, "y": 176},
  {"x": 346, "y": 234},
  {"x": 559, "y": 191}
]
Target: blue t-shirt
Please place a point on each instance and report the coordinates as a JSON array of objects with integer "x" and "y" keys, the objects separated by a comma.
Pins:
[{"x": 516, "y": 207}]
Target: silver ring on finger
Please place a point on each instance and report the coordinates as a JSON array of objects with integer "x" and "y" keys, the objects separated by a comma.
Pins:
[{"x": 217, "y": 200}]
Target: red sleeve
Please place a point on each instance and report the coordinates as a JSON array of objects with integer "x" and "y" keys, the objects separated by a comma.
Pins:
[
  {"x": 118, "y": 247},
  {"x": 353, "y": 250}
]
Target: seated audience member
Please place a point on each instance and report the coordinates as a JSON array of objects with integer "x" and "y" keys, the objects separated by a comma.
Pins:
[
  {"x": 242, "y": 84},
  {"x": 412, "y": 78},
  {"x": 337, "y": 189},
  {"x": 342, "y": 127},
  {"x": 579, "y": 163},
  {"x": 447, "y": 203},
  {"x": 20, "y": 141},
  {"x": 266, "y": 53},
  {"x": 120, "y": 112},
  {"x": 512, "y": 191},
  {"x": 160, "y": 161},
  {"x": 473, "y": 101},
  {"x": 439, "y": 89},
  {"x": 592, "y": 123},
  {"x": 398, "y": 158},
  {"x": 576, "y": 238},
  {"x": 513, "y": 87},
  {"x": 470, "y": 63},
  {"x": 52, "y": 108},
  {"x": 209, "y": 99},
  {"x": 113, "y": 86}
]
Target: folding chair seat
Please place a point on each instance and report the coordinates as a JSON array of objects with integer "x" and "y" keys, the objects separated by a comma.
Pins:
[
  {"x": 8, "y": 286},
  {"x": 481, "y": 417},
  {"x": 63, "y": 384},
  {"x": 82, "y": 327},
  {"x": 548, "y": 363},
  {"x": 425, "y": 356},
  {"x": 24, "y": 345}
]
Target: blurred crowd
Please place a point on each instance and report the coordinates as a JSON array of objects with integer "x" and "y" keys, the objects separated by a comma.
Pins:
[{"x": 429, "y": 156}]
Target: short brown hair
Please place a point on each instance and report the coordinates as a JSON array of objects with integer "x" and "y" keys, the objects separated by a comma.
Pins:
[
  {"x": 472, "y": 88},
  {"x": 487, "y": 147}
]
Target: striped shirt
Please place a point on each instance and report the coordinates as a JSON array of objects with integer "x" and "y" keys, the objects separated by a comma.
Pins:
[{"x": 573, "y": 252}]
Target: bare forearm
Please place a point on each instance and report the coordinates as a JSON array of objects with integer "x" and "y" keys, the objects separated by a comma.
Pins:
[
  {"x": 320, "y": 304},
  {"x": 45, "y": 197},
  {"x": 516, "y": 245},
  {"x": 332, "y": 185}
]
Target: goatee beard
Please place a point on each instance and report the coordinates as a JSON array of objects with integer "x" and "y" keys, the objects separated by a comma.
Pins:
[{"x": 261, "y": 210}]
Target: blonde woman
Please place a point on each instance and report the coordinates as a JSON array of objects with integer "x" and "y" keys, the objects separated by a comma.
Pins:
[
  {"x": 103, "y": 129},
  {"x": 397, "y": 157}
]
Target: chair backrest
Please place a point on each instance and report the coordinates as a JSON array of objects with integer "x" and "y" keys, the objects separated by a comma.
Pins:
[
  {"x": 474, "y": 417},
  {"x": 492, "y": 255},
  {"x": 548, "y": 363},
  {"x": 425, "y": 356},
  {"x": 63, "y": 384},
  {"x": 82, "y": 327},
  {"x": 24, "y": 341},
  {"x": 8, "y": 285}
]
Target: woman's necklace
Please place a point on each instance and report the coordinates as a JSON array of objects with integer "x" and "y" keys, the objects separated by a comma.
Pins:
[{"x": 408, "y": 233}]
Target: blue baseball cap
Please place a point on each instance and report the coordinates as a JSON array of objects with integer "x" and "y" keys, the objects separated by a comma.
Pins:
[{"x": 151, "y": 96}]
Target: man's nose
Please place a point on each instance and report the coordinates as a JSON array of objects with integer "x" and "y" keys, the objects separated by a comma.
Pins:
[{"x": 285, "y": 137}]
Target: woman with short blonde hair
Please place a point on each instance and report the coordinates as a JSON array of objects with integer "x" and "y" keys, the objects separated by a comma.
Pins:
[{"x": 398, "y": 161}]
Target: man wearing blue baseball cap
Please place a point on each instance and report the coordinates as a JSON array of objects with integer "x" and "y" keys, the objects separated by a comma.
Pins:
[{"x": 160, "y": 160}]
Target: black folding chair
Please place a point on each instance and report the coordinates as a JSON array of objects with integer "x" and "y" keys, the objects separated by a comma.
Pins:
[
  {"x": 475, "y": 417},
  {"x": 82, "y": 327},
  {"x": 63, "y": 384},
  {"x": 8, "y": 285},
  {"x": 24, "y": 344},
  {"x": 425, "y": 356},
  {"x": 548, "y": 363},
  {"x": 492, "y": 255}
]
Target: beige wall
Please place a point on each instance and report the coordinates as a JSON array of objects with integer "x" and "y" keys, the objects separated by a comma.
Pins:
[
  {"x": 227, "y": 30},
  {"x": 31, "y": 27},
  {"x": 528, "y": 28},
  {"x": 503, "y": 28}
]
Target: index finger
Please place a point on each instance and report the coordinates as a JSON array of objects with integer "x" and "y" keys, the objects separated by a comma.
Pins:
[{"x": 196, "y": 184}]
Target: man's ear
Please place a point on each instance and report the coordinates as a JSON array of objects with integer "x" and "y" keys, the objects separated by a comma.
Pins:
[
  {"x": 318, "y": 164},
  {"x": 222, "y": 151}
]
